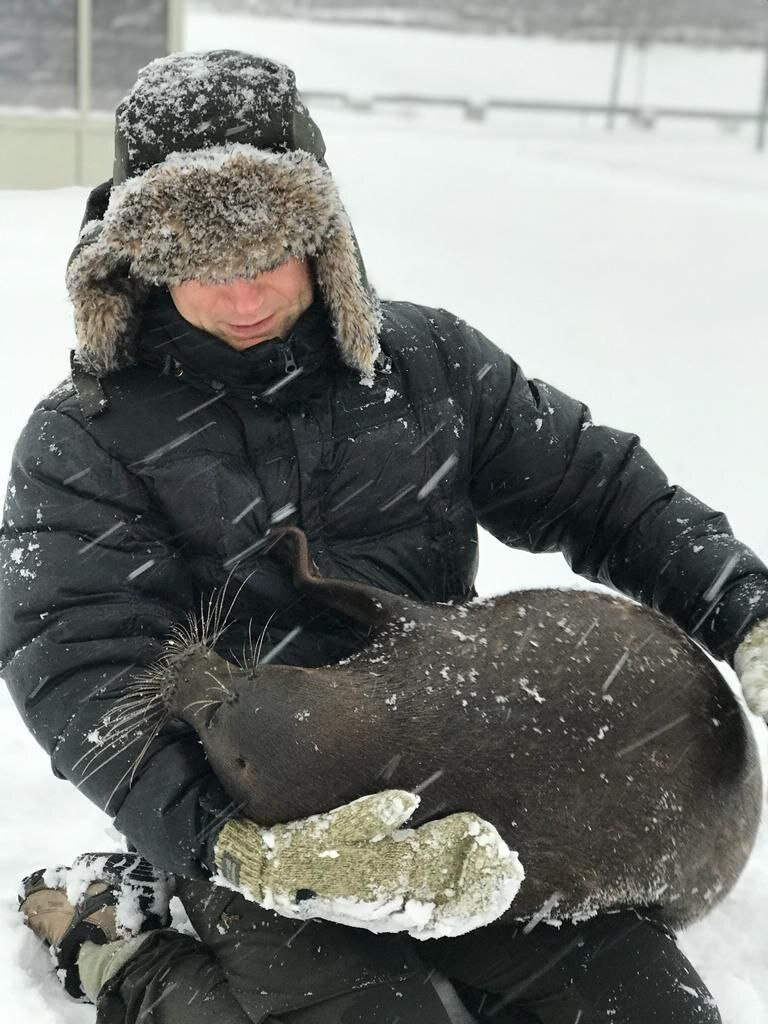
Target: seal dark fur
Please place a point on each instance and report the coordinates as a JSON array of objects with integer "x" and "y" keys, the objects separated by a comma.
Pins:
[{"x": 603, "y": 744}]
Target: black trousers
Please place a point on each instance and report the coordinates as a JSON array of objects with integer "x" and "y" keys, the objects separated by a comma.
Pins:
[{"x": 252, "y": 966}]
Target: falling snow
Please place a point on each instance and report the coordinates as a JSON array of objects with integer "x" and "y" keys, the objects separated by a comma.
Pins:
[{"x": 728, "y": 948}]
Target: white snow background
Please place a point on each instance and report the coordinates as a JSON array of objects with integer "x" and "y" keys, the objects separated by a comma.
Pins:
[{"x": 627, "y": 269}]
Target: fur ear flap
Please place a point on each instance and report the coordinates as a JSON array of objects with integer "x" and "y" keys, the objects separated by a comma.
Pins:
[
  {"x": 107, "y": 303},
  {"x": 354, "y": 311}
]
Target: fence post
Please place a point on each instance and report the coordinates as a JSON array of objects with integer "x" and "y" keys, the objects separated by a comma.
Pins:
[
  {"x": 175, "y": 26},
  {"x": 84, "y": 68},
  {"x": 763, "y": 108},
  {"x": 618, "y": 72},
  {"x": 474, "y": 111}
]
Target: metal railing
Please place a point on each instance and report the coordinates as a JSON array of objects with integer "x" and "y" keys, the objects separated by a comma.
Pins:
[{"x": 646, "y": 116}]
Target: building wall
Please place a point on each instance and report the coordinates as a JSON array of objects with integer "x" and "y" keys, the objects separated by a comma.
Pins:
[
  {"x": 65, "y": 66},
  {"x": 738, "y": 22},
  {"x": 39, "y": 150}
]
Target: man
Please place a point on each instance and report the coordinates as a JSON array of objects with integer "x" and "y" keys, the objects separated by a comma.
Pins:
[{"x": 235, "y": 369}]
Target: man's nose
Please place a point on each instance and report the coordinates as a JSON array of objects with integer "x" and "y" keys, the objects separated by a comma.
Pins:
[{"x": 246, "y": 294}]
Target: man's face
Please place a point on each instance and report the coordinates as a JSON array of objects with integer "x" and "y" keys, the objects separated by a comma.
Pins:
[{"x": 247, "y": 311}]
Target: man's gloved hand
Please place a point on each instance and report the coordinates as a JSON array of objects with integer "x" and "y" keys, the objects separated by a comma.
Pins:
[
  {"x": 751, "y": 664},
  {"x": 354, "y": 866}
]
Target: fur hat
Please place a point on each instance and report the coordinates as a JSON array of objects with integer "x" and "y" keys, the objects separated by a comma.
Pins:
[{"x": 219, "y": 173}]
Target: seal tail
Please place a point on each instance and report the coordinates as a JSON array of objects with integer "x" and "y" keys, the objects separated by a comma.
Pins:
[{"x": 360, "y": 602}]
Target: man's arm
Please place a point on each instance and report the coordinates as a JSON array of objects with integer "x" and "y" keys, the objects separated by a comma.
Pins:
[
  {"x": 91, "y": 585},
  {"x": 546, "y": 478}
]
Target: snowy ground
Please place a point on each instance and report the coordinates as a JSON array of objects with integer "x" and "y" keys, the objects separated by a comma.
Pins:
[{"x": 627, "y": 270}]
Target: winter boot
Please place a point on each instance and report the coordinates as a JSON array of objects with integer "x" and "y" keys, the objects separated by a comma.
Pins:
[{"x": 101, "y": 898}]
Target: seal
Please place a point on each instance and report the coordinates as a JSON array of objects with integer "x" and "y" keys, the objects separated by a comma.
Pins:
[{"x": 603, "y": 744}]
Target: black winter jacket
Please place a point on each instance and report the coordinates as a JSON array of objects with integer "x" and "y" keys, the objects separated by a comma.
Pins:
[{"x": 134, "y": 498}]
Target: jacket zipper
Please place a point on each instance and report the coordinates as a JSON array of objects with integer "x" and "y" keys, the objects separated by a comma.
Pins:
[{"x": 290, "y": 362}]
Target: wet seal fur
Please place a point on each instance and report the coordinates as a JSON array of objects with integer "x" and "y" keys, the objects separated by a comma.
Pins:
[{"x": 602, "y": 743}]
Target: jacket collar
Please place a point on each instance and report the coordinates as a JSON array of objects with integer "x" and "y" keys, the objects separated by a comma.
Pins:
[{"x": 277, "y": 371}]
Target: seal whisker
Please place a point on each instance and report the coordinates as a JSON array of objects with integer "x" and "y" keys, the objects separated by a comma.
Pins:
[
  {"x": 113, "y": 734},
  {"x": 208, "y": 703},
  {"x": 128, "y": 720},
  {"x": 117, "y": 753},
  {"x": 218, "y": 683},
  {"x": 261, "y": 637},
  {"x": 141, "y": 686},
  {"x": 204, "y": 618},
  {"x": 211, "y": 623},
  {"x": 232, "y": 809},
  {"x": 116, "y": 741},
  {"x": 131, "y": 768},
  {"x": 142, "y": 752},
  {"x": 206, "y": 628},
  {"x": 144, "y": 694},
  {"x": 211, "y": 629},
  {"x": 125, "y": 722},
  {"x": 205, "y": 705},
  {"x": 127, "y": 707},
  {"x": 250, "y": 642},
  {"x": 238, "y": 592},
  {"x": 135, "y": 700},
  {"x": 129, "y": 699},
  {"x": 116, "y": 713},
  {"x": 185, "y": 635},
  {"x": 135, "y": 705},
  {"x": 120, "y": 719},
  {"x": 219, "y": 606},
  {"x": 218, "y": 610},
  {"x": 221, "y": 620}
]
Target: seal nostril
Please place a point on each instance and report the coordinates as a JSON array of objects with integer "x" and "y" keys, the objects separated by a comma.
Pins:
[{"x": 240, "y": 763}]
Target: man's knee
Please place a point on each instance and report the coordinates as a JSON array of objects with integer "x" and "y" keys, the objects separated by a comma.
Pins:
[
  {"x": 171, "y": 979},
  {"x": 311, "y": 970},
  {"x": 625, "y": 966},
  {"x": 655, "y": 981}
]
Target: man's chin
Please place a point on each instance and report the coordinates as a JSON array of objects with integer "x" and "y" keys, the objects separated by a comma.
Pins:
[{"x": 243, "y": 343}]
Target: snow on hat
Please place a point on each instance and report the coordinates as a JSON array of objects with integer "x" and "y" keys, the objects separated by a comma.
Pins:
[{"x": 219, "y": 173}]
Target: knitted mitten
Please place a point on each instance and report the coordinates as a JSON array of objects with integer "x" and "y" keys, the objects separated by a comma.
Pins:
[
  {"x": 355, "y": 866},
  {"x": 751, "y": 664}
]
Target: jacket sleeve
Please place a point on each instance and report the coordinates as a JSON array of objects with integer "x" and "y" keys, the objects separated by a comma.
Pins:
[
  {"x": 546, "y": 478},
  {"x": 90, "y": 584}
]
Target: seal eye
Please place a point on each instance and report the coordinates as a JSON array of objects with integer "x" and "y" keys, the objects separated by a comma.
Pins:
[
  {"x": 305, "y": 894},
  {"x": 241, "y": 763}
]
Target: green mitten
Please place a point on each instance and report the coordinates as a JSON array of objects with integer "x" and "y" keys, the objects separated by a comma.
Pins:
[
  {"x": 751, "y": 664},
  {"x": 353, "y": 866}
]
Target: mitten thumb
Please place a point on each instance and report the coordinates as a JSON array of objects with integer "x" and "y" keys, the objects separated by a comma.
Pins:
[{"x": 369, "y": 818}]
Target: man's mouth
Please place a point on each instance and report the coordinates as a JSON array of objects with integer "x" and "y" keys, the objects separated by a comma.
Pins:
[{"x": 245, "y": 329}]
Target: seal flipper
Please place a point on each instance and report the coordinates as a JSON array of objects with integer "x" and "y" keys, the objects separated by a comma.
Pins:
[{"x": 361, "y": 602}]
